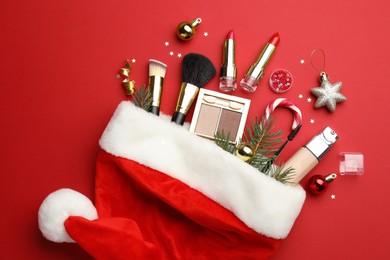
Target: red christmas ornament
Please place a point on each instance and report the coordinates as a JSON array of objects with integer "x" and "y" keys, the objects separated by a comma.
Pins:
[
  {"x": 318, "y": 184},
  {"x": 280, "y": 81}
]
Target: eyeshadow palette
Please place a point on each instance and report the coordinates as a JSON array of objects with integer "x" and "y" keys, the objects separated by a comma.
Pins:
[{"x": 216, "y": 112}]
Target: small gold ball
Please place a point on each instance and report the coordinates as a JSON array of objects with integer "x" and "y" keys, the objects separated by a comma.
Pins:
[
  {"x": 245, "y": 152},
  {"x": 185, "y": 31}
]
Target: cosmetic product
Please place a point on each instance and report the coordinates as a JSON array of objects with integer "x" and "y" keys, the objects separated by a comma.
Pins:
[
  {"x": 197, "y": 70},
  {"x": 157, "y": 71},
  {"x": 216, "y": 112},
  {"x": 307, "y": 157},
  {"x": 280, "y": 81},
  {"x": 290, "y": 137},
  {"x": 186, "y": 30},
  {"x": 256, "y": 71},
  {"x": 228, "y": 72},
  {"x": 351, "y": 163}
]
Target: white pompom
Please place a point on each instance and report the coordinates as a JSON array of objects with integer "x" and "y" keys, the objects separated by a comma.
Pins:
[{"x": 57, "y": 207}]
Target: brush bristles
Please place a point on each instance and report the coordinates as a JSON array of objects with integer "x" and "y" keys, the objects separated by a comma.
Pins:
[
  {"x": 157, "y": 68},
  {"x": 197, "y": 70}
]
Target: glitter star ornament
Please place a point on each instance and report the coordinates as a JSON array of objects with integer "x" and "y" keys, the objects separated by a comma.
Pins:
[{"x": 328, "y": 94}]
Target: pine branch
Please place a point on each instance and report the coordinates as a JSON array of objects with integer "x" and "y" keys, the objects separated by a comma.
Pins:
[
  {"x": 259, "y": 161},
  {"x": 142, "y": 97},
  {"x": 282, "y": 175},
  {"x": 259, "y": 135},
  {"x": 224, "y": 142}
]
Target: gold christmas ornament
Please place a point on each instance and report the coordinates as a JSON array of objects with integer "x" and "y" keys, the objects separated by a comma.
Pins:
[
  {"x": 186, "y": 30},
  {"x": 245, "y": 152}
]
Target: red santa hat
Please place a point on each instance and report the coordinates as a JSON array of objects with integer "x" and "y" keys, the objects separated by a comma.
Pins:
[{"x": 163, "y": 193}]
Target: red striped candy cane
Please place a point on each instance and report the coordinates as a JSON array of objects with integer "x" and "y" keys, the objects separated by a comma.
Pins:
[{"x": 284, "y": 102}]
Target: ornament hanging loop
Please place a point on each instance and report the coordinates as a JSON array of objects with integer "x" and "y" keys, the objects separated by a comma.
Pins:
[{"x": 319, "y": 69}]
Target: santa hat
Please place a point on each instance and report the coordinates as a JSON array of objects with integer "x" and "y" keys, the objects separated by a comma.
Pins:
[{"x": 164, "y": 193}]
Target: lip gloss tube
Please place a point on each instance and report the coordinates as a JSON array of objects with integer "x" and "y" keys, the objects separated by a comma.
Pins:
[
  {"x": 256, "y": 71},
  {"x": 228, "y": 72}
]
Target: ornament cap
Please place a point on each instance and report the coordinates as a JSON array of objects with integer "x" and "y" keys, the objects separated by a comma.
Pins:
[
  {"x": 323, "y": 77},
  {"x": 196, "y": 22},
  {"x": 329, "y": 178}
]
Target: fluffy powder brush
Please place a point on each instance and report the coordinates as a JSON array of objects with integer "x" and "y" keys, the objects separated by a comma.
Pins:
[{"x": 196, "y": 71}]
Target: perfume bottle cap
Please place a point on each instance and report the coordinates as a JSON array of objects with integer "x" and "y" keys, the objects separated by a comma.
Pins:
[
  {"x": 321, "y": 143},
  {"x": 351, "y": 163},
  {"x": 329, "y": 135}
]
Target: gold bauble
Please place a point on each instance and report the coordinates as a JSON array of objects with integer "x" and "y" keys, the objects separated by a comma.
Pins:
[
  {"x": 245, "y": 152},
  {"x": 186, "y": 30}
]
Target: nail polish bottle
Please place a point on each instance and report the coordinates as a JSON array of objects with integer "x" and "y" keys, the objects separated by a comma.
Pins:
[{"x": 307, "y": 157}]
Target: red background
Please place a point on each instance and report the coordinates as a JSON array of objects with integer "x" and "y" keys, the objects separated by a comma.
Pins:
[{"x": 59, "y": 61}]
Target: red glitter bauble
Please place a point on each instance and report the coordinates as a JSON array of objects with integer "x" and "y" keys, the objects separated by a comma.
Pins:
[
  {"x": 317, "y": 184},
  {"x": 280, "y": 80}
]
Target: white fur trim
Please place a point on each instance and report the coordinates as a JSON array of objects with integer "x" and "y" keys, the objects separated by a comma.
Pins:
[
  {"x": 57, "y": 207},
  {"x": 262, "y": 203}
]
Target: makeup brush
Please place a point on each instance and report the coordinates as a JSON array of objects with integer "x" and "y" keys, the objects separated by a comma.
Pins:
[
  {"x": 196, "y": 71},
  {"x": 157, "y": 71}
]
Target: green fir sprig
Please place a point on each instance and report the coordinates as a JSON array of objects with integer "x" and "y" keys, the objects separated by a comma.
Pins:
[
  {"x": 142, "y": 97},
  {"x": 264, "y": 141},
  {"x": 224, "y": 142},
  {"x": 259, "y": 134},
  {"x": 283, "y": 175}
]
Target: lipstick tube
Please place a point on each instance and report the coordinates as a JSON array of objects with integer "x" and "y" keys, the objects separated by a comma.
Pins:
[
  {"x": 256, "y": 71},
  {"x": 307, "y": 157},
  {"x": 228, "y": 72}
]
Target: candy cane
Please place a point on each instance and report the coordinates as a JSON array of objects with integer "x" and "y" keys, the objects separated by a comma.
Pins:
[
  {"x": 295, "y": 126},
  {"x": 284, "y": 102}
]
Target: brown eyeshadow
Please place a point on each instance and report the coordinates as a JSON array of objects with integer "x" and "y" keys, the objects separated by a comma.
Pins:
[
  {"x": 207, "y": 120},
  {"x": 229, "y": 123}
]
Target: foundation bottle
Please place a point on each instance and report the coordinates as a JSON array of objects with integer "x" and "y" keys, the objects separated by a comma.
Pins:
[{"x": 307, "y": 157}]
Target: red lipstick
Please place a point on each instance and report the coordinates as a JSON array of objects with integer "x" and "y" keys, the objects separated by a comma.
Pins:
[
  {"x": 256, "y": 71},
  {"x": 274, "y": 39},
  {"x": 230, "y": 35},
  {"x": 228, "y": 72}
]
